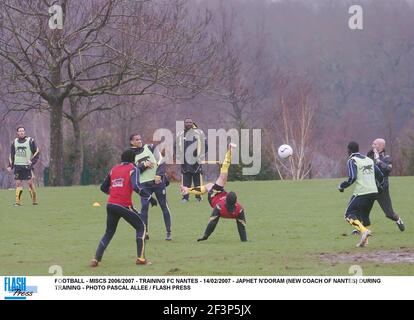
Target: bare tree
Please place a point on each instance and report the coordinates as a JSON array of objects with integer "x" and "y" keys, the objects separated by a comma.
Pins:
[
  {"x": 79, "y": 109},
  {"x": 106, "y": 47},
  {"x": 292, "y": 122}
]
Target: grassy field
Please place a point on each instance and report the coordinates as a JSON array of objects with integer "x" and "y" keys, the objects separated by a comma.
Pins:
[{"x": 290, "y": 226}]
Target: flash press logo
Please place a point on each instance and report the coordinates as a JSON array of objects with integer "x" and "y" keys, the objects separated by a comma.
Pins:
[{"x": 16, "y": 288}]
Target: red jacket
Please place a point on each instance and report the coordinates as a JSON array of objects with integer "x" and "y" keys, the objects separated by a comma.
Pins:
[
  {"x": 120, "y": 190},
  {"x": 219, "y": 202}
]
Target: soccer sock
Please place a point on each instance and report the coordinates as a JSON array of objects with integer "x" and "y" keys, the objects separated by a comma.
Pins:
[
  {"x": 241, "y": 227},
  {"x": 141, "y": 248},
  {"x": 357, "y": 224},
  {"x": 104, "y": 243},
  {"x": 197, "y": 190},
  {"x": 395, "y": 217},
  {"x": 226, "y": 163},
  {"x": 201, "y": 183},
  {"x": 19, "y": 191},
  {"x": 33, "y": 195},
  {"x": 100, "y": 251}
]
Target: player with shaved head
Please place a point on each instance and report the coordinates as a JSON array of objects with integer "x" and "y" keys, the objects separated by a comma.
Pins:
[{"x": 384, "y": 162}]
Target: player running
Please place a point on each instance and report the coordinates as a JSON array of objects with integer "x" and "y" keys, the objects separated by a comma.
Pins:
[
  {"x": 119, "y": 184},
  {"x": 224, "y": 204},
  {"x": 367, "y": 177}
]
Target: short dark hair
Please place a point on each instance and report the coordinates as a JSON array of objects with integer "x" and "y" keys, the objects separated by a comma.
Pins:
[
  {"x": 21, "y": 127},
  {"x": 128, "y": 156},
  {"x": 353, "y": 147},
  {"x": 133, "y": 135},
  {"x": 231, "y": 200}
]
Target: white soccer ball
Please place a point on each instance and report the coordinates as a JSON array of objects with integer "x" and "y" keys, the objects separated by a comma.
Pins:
[{"x": 285, "y": 151}]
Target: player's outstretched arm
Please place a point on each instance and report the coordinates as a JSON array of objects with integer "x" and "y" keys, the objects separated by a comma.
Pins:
[
  {"x": 106, "y": 184},
  {"x": 352, "y": 175},
  {"x": 137, "y": 186}
]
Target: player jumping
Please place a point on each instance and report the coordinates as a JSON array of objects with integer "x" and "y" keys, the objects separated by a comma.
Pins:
[{"x": 224, "y": 203}]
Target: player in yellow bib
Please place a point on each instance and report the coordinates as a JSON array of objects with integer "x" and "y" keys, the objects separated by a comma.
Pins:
[
  {"x": 23, "y": 156},
  {"x": 153, "y": 180},
  {"x": 367, "y": 178}
]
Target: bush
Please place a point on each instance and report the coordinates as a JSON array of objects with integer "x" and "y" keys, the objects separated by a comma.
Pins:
[{"x": 100, "y": 156}]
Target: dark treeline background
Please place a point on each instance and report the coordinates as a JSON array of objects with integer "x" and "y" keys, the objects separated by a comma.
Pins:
[{"x": 292, "y": 68}]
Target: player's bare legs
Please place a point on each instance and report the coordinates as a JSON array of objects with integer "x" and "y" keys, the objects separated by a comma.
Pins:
[{"x": 221, "y": 180}]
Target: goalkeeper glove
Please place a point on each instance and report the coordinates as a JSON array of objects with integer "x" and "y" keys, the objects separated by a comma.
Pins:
[{"x": 153, "y": 202}]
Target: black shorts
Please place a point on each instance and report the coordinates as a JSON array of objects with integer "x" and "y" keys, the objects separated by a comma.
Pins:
[
  {"x": 214, "y": 191},
  {"x": 23, "y": 173},
  {"x": 360, "y": 207}
]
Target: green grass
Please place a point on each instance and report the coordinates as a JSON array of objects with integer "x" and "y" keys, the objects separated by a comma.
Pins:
[{"x": 288, "y": 224}]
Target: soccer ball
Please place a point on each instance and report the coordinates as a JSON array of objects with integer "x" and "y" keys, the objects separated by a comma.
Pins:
[{"x": 285, "y": 151}]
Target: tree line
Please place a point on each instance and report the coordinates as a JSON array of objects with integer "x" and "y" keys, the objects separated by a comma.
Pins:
[{"x": 291, "y": 68}]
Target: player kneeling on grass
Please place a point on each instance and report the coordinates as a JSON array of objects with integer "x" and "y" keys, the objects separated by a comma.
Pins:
[
  {"x": 367, "y": 177},
  {"x": 224, "y": 203},
  {"x": 119, "y": 184}
]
